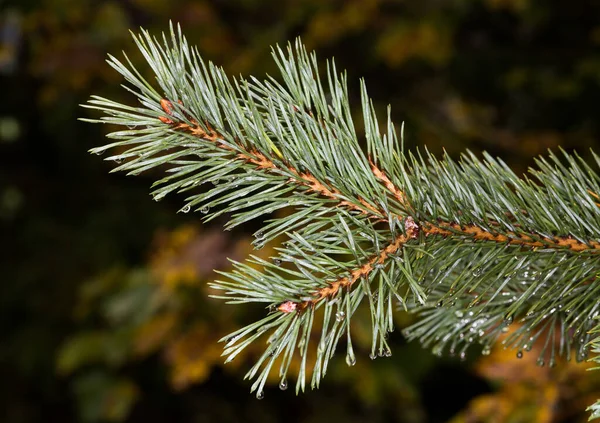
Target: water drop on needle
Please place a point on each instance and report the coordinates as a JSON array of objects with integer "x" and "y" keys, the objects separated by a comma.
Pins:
[
  {"x": 283, "y": 385},
  {"x": 339, "y": 316},
  {"x": 350, "y": 359},
  {"x": 186, "y": 209},
  {"x": 260, "y": 395},
  {"x": 204, "y": 210}
]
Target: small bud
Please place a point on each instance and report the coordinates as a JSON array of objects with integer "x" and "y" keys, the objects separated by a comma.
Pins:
[
  {"x": 411, "y": 227},
  {"x": 287, "y": 307}
]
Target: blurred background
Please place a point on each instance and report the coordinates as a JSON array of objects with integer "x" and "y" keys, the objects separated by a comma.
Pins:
[{"x": 104, "y": 307}]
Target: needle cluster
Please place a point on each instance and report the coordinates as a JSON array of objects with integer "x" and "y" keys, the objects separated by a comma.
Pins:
[{"x": 466, "y": 244}]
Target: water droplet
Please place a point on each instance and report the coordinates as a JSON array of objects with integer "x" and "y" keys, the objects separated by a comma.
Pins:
[
  {"x": 508, "y": 320},
  {"x": 477, "y": 272},
  {"x": 552, "y": 363},
  {"x": 486, "y": 350},
  {"x": 204, "y": 210},
  {"x": 339, "y": 316},
  {"x": 458, "y": 313},
  {"x": 260, "y": 395},
  {"x": 216, "y": 181},
  {"x": 439, "y": 304},
  {"x": 350, "y": 358},
  {"x": 117, "y": 160},
  {"x": 463, "y": 356},
  {"x": 540, "y": 362},
  {"x": 372, "y": 356},
  {"x": 519, "y": 354},
  {"x": 186, "y": 209},
  {"x": 388, "y": 353},
  {"x": 283, "y": 385},
  {"x": 99, "y": 152},
  {"x": 259, "y": 235},
  {"x": 277, "y": 262},
  {"x": 504, "y": 329}
]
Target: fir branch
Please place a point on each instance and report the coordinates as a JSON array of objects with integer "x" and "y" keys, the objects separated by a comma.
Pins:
[
  {"x": 441, "y": 228},
  {"x": 468, "y": 245}
]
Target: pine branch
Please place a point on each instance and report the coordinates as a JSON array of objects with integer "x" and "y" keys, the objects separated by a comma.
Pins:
[{"x": 467, "y": 245}]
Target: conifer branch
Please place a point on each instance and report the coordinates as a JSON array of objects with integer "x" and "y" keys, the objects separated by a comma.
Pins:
[{"x": 469, "y": 246}]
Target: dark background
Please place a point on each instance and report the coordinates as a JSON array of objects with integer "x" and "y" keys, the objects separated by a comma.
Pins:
[{"x": 104, "y": 308}]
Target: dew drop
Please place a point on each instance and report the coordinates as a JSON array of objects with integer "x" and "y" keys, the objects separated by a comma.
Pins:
[
  {"x": 508, "y": 320},
  {"x": 186, "y": 209},
  {"x": 372, "y": 356},
  {"x": 519, "y": 354},
  {"x": 259, "y": 235},
  {"x": 350, "y": 359},
  {"x": 260, "y": 395},
  {"x": 540, "y": 362},
  {"x": 283, "y": 385},
  {"x": 463, "y": 356},
  {"x": 118, "y": 160},
  {"x": 388, "y": 353},
  {"x": 458, "y": 313},
  {"x": 204, "y": 210},
  {"x": 277, "y": 262},
  {"x": 439, "y": 304},
  {"x": 486, "y": 350},
  {"x": 339, "y": 316}
]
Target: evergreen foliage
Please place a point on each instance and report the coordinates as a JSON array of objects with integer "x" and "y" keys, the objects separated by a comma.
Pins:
[{"x": 467, "y": 245}]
